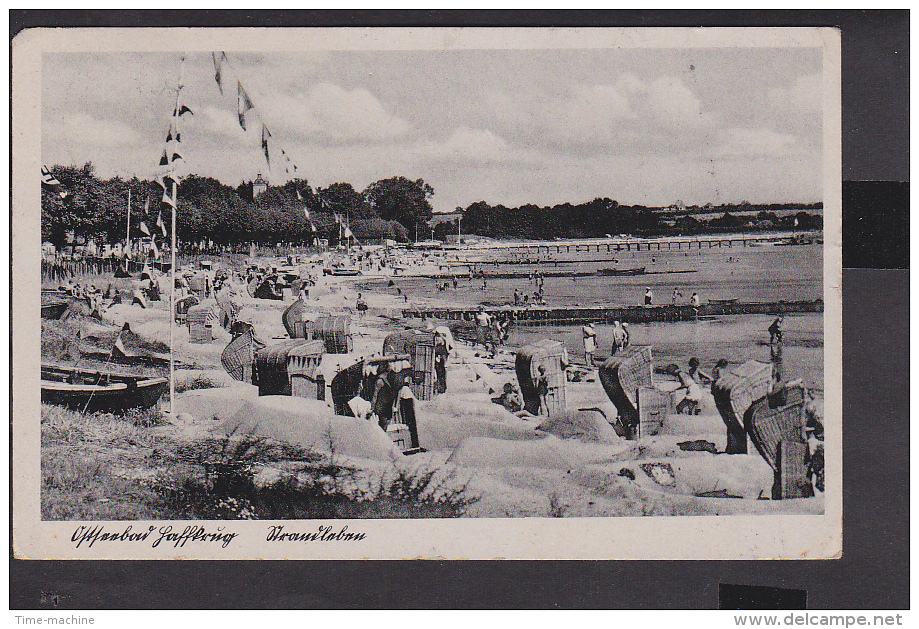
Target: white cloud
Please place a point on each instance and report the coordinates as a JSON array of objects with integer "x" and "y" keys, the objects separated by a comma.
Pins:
[
  {"x": 330, "y": 112},
  {"x": 803, "y": 97},
  {"x": 674, "y": 106},
  {"x": 478, "y": 145},
  {"x": 631, "y": 85},
  {"x": 84, "y": 129},
  {"x": 757, "y": 143}
]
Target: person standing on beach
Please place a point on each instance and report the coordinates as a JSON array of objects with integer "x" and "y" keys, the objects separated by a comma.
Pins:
[
  {"x": 649, "y": 296},
  {"x": 694, "y": 301},
  {"x": 483, "y": 325},
  {"x": 542, "y": 390},
  {"x": 516, "y": 297},
  {"x": 618, "y": 337},
  {"x": 440, "y": 363},
  {"x": 590, "y": 343},
  {"x": 775, "y": 330}
]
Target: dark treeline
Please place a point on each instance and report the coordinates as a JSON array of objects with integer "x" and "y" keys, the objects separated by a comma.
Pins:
[
  {"x": 210, "y": 210},
  {"x": 396, "y": 208},
  {"x": 597, "y": 218}
]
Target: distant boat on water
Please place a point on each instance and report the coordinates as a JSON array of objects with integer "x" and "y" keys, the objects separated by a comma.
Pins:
[{"x": 620, "y": 272}]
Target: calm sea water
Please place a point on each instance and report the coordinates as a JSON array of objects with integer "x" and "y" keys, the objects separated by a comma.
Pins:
[{"x": 745, "y": 273}]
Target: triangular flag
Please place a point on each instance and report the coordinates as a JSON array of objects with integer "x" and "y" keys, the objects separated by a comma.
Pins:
[
  {"x": 146, "y": 205},
  {"x": 164, "y": 158},
  {"x": 154, "y": 250},
  {"x": 306, "y": 212},
  {"x": 348, "y": 233},
  {"x": 243, "y": 105},
  {"x": 313, "y": 227},
  {"x": 218, "y": 68},
  {"x": 183, "y": 110},
  {"x": 143, "y": 227},
  {"x": 158, "y": 178},
  {"x": 51, "y": 181},
  {"x": 167, "y": 199},
  {"x": 118, "y": 349},
  {"x": 161, "y": 224},
  {"x": 48, "y": 179},
  {"x": 299, "y": 198},
  {"x": 265, "y": 135},
  {"x": 173, "y": 134}
]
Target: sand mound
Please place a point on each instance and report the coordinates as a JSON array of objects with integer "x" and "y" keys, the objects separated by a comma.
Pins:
[
  {"x": 585, "y": 425},
  {"x": 743, "y": 475},
  {"x": 449, "y": 418},
  {"x": 686, "y": 425},
  {"x": 496, "y": 453},
  {"x": 310, "y": 423},
  {"x": 221, "y": 403}
]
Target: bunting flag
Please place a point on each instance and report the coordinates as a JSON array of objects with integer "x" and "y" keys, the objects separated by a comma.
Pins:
[
  {"x": 176, "y": 155},
  {"x": 173, "y": 134},
  {"x": 299, "y": 198},
  {"x": 143, "y": 227},
  {"x": 164, "y": 158},
  {"x": 154, "y": 250},
  {"x": 158, "y": 178},
  {"x": 161, "y": 224},
  {"x": 313, "y": 227},
  {"x": 243, "y": 105},
  {"x": 146, "y": 205},
  {"x": 51, "y": 181},
  {"x": 218, "y": 68},
  {"x": 265, "y": 135},
  {"x": 181, "y": 111},
  {"x": 348, "y": 233},
  {"x": 48, "y": 179},
  {"x": 168, "y": 200},
  {"x": 306, "y": 212}
]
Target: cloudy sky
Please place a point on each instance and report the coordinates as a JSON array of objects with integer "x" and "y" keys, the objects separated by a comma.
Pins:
[{"x": 503, "y": 126}]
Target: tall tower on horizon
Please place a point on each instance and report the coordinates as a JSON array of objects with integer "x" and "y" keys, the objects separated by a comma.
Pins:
[{"x": 259, "y": 186}]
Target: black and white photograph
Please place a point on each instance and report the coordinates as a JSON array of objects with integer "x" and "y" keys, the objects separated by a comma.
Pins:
[{"x": 561, "y": 293}]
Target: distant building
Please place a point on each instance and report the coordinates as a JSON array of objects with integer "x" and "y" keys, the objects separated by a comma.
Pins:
[
  {"x": 259, "y": 186},
  {"x": 447, "y": 217}
]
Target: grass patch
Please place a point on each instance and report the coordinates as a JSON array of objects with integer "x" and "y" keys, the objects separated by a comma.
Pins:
[
  {"x": 315, "y": 487},
  {"x": 196, "y": 382}
]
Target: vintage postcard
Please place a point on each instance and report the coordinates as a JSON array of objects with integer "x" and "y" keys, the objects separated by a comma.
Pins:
[{"x": 427, "y": 293}]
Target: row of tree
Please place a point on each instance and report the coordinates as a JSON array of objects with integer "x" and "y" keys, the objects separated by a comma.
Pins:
[
  {"x": 602, "y": 217},
  {"x": 87, "y": 206},
  {"x": 396, "y": 208}
]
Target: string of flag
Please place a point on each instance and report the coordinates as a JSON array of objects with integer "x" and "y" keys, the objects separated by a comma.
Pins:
[
  {"x": 167, "y": 176},
  {"x": 246, "y": 110}
]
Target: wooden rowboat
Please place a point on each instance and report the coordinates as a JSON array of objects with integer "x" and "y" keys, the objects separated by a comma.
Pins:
[
  {"x": 91, "y": 391},
  {"x": 54, "y": 310}
]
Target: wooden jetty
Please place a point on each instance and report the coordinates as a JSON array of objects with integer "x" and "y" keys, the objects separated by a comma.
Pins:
[{"x": 547, "y": 315}]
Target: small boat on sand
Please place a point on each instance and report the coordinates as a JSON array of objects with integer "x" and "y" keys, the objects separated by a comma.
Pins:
[
  {"x": 54, "y": 310},
  {"x": 93, "y": 390},
  {"x": 345, "y": 270}
]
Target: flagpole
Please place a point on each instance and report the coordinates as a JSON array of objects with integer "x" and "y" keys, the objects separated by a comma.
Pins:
[
  {"x": 127, "y": 237},
  {"x": 172, "y": 308}
]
